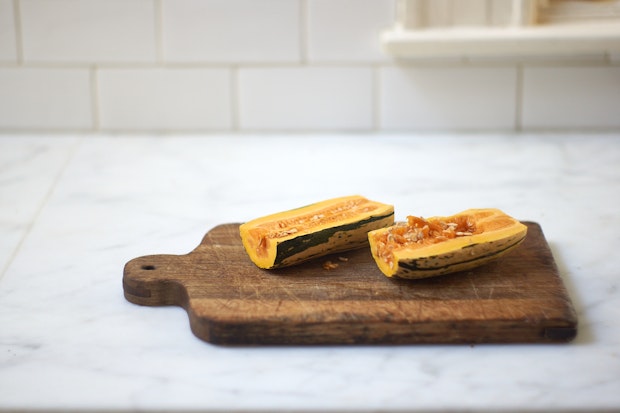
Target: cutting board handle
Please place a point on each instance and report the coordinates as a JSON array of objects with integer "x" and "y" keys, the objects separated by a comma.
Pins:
[{"x": 147, "y": 281}]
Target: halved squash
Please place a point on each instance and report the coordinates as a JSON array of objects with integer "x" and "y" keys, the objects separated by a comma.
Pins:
[
  {"x": 421, "y": 248},
  {"x": 335, "y": 225}
]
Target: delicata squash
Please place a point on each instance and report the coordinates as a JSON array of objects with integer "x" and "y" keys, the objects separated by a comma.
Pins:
[
  {"x": 421, "y": 248},
  {"x": 335, "y": 225}
]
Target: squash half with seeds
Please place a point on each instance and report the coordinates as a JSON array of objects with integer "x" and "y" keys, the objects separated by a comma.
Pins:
[
  {"x": 421, "y": 248},
  {"x": 335, "y": 225}
]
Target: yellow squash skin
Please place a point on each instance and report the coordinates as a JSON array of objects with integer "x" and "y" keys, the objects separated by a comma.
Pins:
[
  {"x": 335, "y": 225},
  {"x": 496, "y": 234}
]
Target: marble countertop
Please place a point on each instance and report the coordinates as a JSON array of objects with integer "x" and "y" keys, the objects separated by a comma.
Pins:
[{"x": 74, "y": 209}]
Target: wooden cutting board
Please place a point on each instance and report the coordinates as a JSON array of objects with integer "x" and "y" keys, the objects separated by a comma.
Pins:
[{"x": 520, "y": 298}]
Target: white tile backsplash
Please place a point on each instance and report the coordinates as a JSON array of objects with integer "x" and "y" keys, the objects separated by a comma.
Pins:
[
  {"x": 45, "y": 98},
  {"x": 277, "y": 65},
  {"x": 231, "y": 30},
  {"x": 314, "y": 98},
  {"x": 88, "y": 31},
  {"x": 8, "y": 42},
  {"x": 348, "y": 30},
  {"x": 164, "y": 99},
  {"x": 571, "y": 97},
  {"x": 423, "y": 98}
]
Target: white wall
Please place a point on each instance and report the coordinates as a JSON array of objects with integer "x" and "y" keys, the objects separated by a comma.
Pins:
[{"x": 270, "y": 65}]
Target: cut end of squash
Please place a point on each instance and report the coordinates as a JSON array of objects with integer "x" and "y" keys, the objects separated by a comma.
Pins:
[
  {"x": 290, "y": 237},
  {"x": 420, "y": 248}
]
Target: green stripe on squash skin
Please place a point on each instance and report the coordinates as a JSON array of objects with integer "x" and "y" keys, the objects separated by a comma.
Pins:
[
  {"x": 297, "y": 249},
  {"x": 416, "y": 268}
]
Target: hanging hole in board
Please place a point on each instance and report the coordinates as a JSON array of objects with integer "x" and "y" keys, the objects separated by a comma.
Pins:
[{"x": 148, "y": 267}]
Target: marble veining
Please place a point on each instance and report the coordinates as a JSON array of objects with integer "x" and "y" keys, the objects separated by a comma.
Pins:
[{"x": 74, "y": 209}]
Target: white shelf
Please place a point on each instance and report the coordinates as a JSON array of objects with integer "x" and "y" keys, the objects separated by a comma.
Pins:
[{"x": 568, "y": 38}]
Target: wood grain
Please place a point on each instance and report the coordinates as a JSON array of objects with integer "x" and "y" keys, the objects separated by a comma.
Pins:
[{"x": 519, "y": 298}]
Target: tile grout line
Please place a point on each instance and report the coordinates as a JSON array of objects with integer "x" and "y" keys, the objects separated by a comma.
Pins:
[
  {"x": 19, "y": 42},
  {"x": 234, "y": 99},
  {"x": 268, "y": 131},
  {"x": 298, "y": 64},
  {"x": 376, "y": 98},
  {"x": 488, "y": 8},
  {"x": 159, "y": 31},
  {"x": 303, "y": 32},
  {"x": 94, "y": 96},
  {"x": 518, "y": 121},
  {"x": 41, "y": 206}
]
